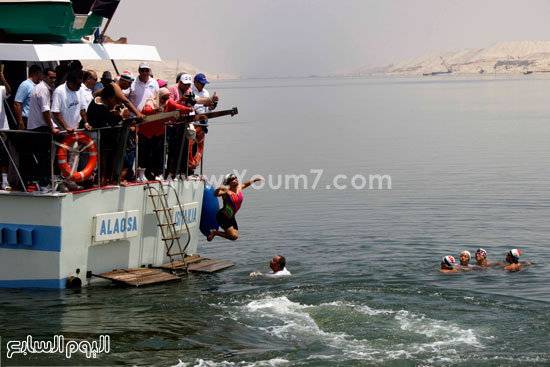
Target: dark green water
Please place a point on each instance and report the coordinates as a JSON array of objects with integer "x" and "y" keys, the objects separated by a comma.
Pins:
[{"x": 469, "y": 162}]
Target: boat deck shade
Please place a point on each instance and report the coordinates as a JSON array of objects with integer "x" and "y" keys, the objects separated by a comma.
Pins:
[{"x": 76, "y": 51}]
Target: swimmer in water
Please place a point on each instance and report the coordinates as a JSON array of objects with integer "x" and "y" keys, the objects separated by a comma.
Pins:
[
  {"x": 278, "y": 268},
  {"x": 232, "y": 195},
  {"x": 464, "y": 258},
  {"x": 481, "y": 258},
  {"x": 512, "y": 257},
  {"x": 448, "y": 265}
]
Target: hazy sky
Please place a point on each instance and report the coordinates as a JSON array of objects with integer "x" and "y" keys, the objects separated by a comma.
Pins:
[{"x": 305, "y": 37}]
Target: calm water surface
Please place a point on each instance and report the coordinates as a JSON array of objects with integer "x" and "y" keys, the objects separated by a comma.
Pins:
[{"x": 469, "y": 162}]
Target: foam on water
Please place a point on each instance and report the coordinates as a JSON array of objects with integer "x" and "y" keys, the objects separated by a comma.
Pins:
[
  {"x": 290, "y": 320},
  {"x": 275, "y": 362}
]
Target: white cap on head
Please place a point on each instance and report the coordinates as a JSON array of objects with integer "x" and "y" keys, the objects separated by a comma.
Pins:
[
  {"x": 126, "y": 75},
  {"x": 449, "y": 261},
  {"x": 186, "y": 79},
  {"x": 144, "y": 65},
  {"x": 467, "y": 253},
  {"x": 482, "y": 252},
  {"x": 515, "y": 253}
]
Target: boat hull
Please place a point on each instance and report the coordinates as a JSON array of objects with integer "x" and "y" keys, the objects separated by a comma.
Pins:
[{"x": 46, "y": 239}]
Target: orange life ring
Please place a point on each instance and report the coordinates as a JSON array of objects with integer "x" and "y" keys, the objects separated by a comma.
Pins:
[
  {"x": 194, "y": 160},
  {"x": 63, "y": 163}
]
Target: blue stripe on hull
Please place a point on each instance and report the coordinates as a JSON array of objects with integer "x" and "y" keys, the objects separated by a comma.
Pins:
[
  {"x": 30, "y": 237},
  {"x": 34, "y": 283}
]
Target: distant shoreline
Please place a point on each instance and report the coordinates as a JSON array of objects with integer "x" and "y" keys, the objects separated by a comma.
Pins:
[{"x": 522, "y": 57}]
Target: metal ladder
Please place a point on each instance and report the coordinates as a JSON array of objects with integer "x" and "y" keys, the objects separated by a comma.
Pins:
[{"x": 166, "y": 222}]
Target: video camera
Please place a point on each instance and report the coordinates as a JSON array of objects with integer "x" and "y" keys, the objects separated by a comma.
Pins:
[{"x": 190, "y": 98}]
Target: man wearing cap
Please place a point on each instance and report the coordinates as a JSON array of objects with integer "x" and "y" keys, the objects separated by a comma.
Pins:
[
  {"x": 205, "y": 103},
  {"x": 464, "y": 258},
  {"x": 123, "y": 83},
  {"x": 481, "y": 258},
  {"x": 181, "y": 89},
  {"x": 142, "y": 88},
  {"x": 448, "y": 265},
  {"x": 512, "y": 258}
]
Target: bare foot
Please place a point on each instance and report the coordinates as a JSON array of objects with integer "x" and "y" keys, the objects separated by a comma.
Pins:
[
  {"x": 124, "y": 183},
  {"x": 211, "y": 236}
]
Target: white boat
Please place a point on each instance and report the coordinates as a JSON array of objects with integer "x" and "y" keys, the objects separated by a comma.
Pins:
[{"x": 65, "y": 239}]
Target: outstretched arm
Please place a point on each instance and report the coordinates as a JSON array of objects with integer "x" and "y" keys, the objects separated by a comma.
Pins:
[{"x": 248, "y": 183}]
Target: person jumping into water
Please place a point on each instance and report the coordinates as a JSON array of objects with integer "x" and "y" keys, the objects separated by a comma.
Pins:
[{"x": 232, "y": 196}]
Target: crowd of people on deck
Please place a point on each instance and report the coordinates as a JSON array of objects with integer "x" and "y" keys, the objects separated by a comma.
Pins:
[
  {"x": 60, "y": 101},
  {"x": 449, "y": 265}
]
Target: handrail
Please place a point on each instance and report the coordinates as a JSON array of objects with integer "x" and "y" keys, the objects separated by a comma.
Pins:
[
  {"x": 119, "y": 148},
  {"x": 183, "y": 215}
]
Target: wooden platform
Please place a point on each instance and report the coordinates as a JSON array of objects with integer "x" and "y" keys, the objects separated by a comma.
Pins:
[
  {"x": 180, "y": 265},
  {"x": 197, "y": 264},
  {"x": 143, "y": 276},
  {"x": 209, "y": 266},
  {"x": 139, "y": 276}
]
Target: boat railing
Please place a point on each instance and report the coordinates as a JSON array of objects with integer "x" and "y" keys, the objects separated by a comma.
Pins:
[
  {"x": 25, "y": 160},
  {"x": 32, "y": 153}
]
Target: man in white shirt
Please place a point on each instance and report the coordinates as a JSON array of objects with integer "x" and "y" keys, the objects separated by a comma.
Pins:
[
  {"x": 67, "y": 106},
  {"x": 89, "y": 81},
  {"x": 277, "y": 265},
  {"x": 142, "y": 88},
  {"x": 5, "y": 92},
  {"x": 40, "y": 104},
  {"x": 68, "y": 109},
  {"x": 40, "y": 120}
]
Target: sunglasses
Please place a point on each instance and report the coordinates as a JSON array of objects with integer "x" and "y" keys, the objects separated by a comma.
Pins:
[
  {"x": 166, "y": 97},
  {"x": 144, "y": 70},
  {"x": 233, "y": 178}
]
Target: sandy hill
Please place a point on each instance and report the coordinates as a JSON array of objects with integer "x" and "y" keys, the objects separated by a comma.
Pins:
[
  {"x": 502, "y": 57},
  {"x": 165, "y": 70}
]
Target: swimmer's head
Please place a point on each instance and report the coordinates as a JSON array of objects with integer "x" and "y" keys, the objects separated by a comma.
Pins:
[
  {"x": 481, "y": 252},
  {"x": 481, "y": 256},
  {"x": 230, "y": 178},
  {"x": 513, "y": 256},
  {"x": 448, "y": 262},
  {"x": 465, "y": 257}
]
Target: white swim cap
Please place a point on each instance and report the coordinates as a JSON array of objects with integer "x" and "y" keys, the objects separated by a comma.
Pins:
[
  {"x": 482, "y": 252},
  {"x": 227, "y": 178},
  {"x": 449, "y": 261},
  {"x": 515, "y": 253},
  {"x": 467, "y": 253}
]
